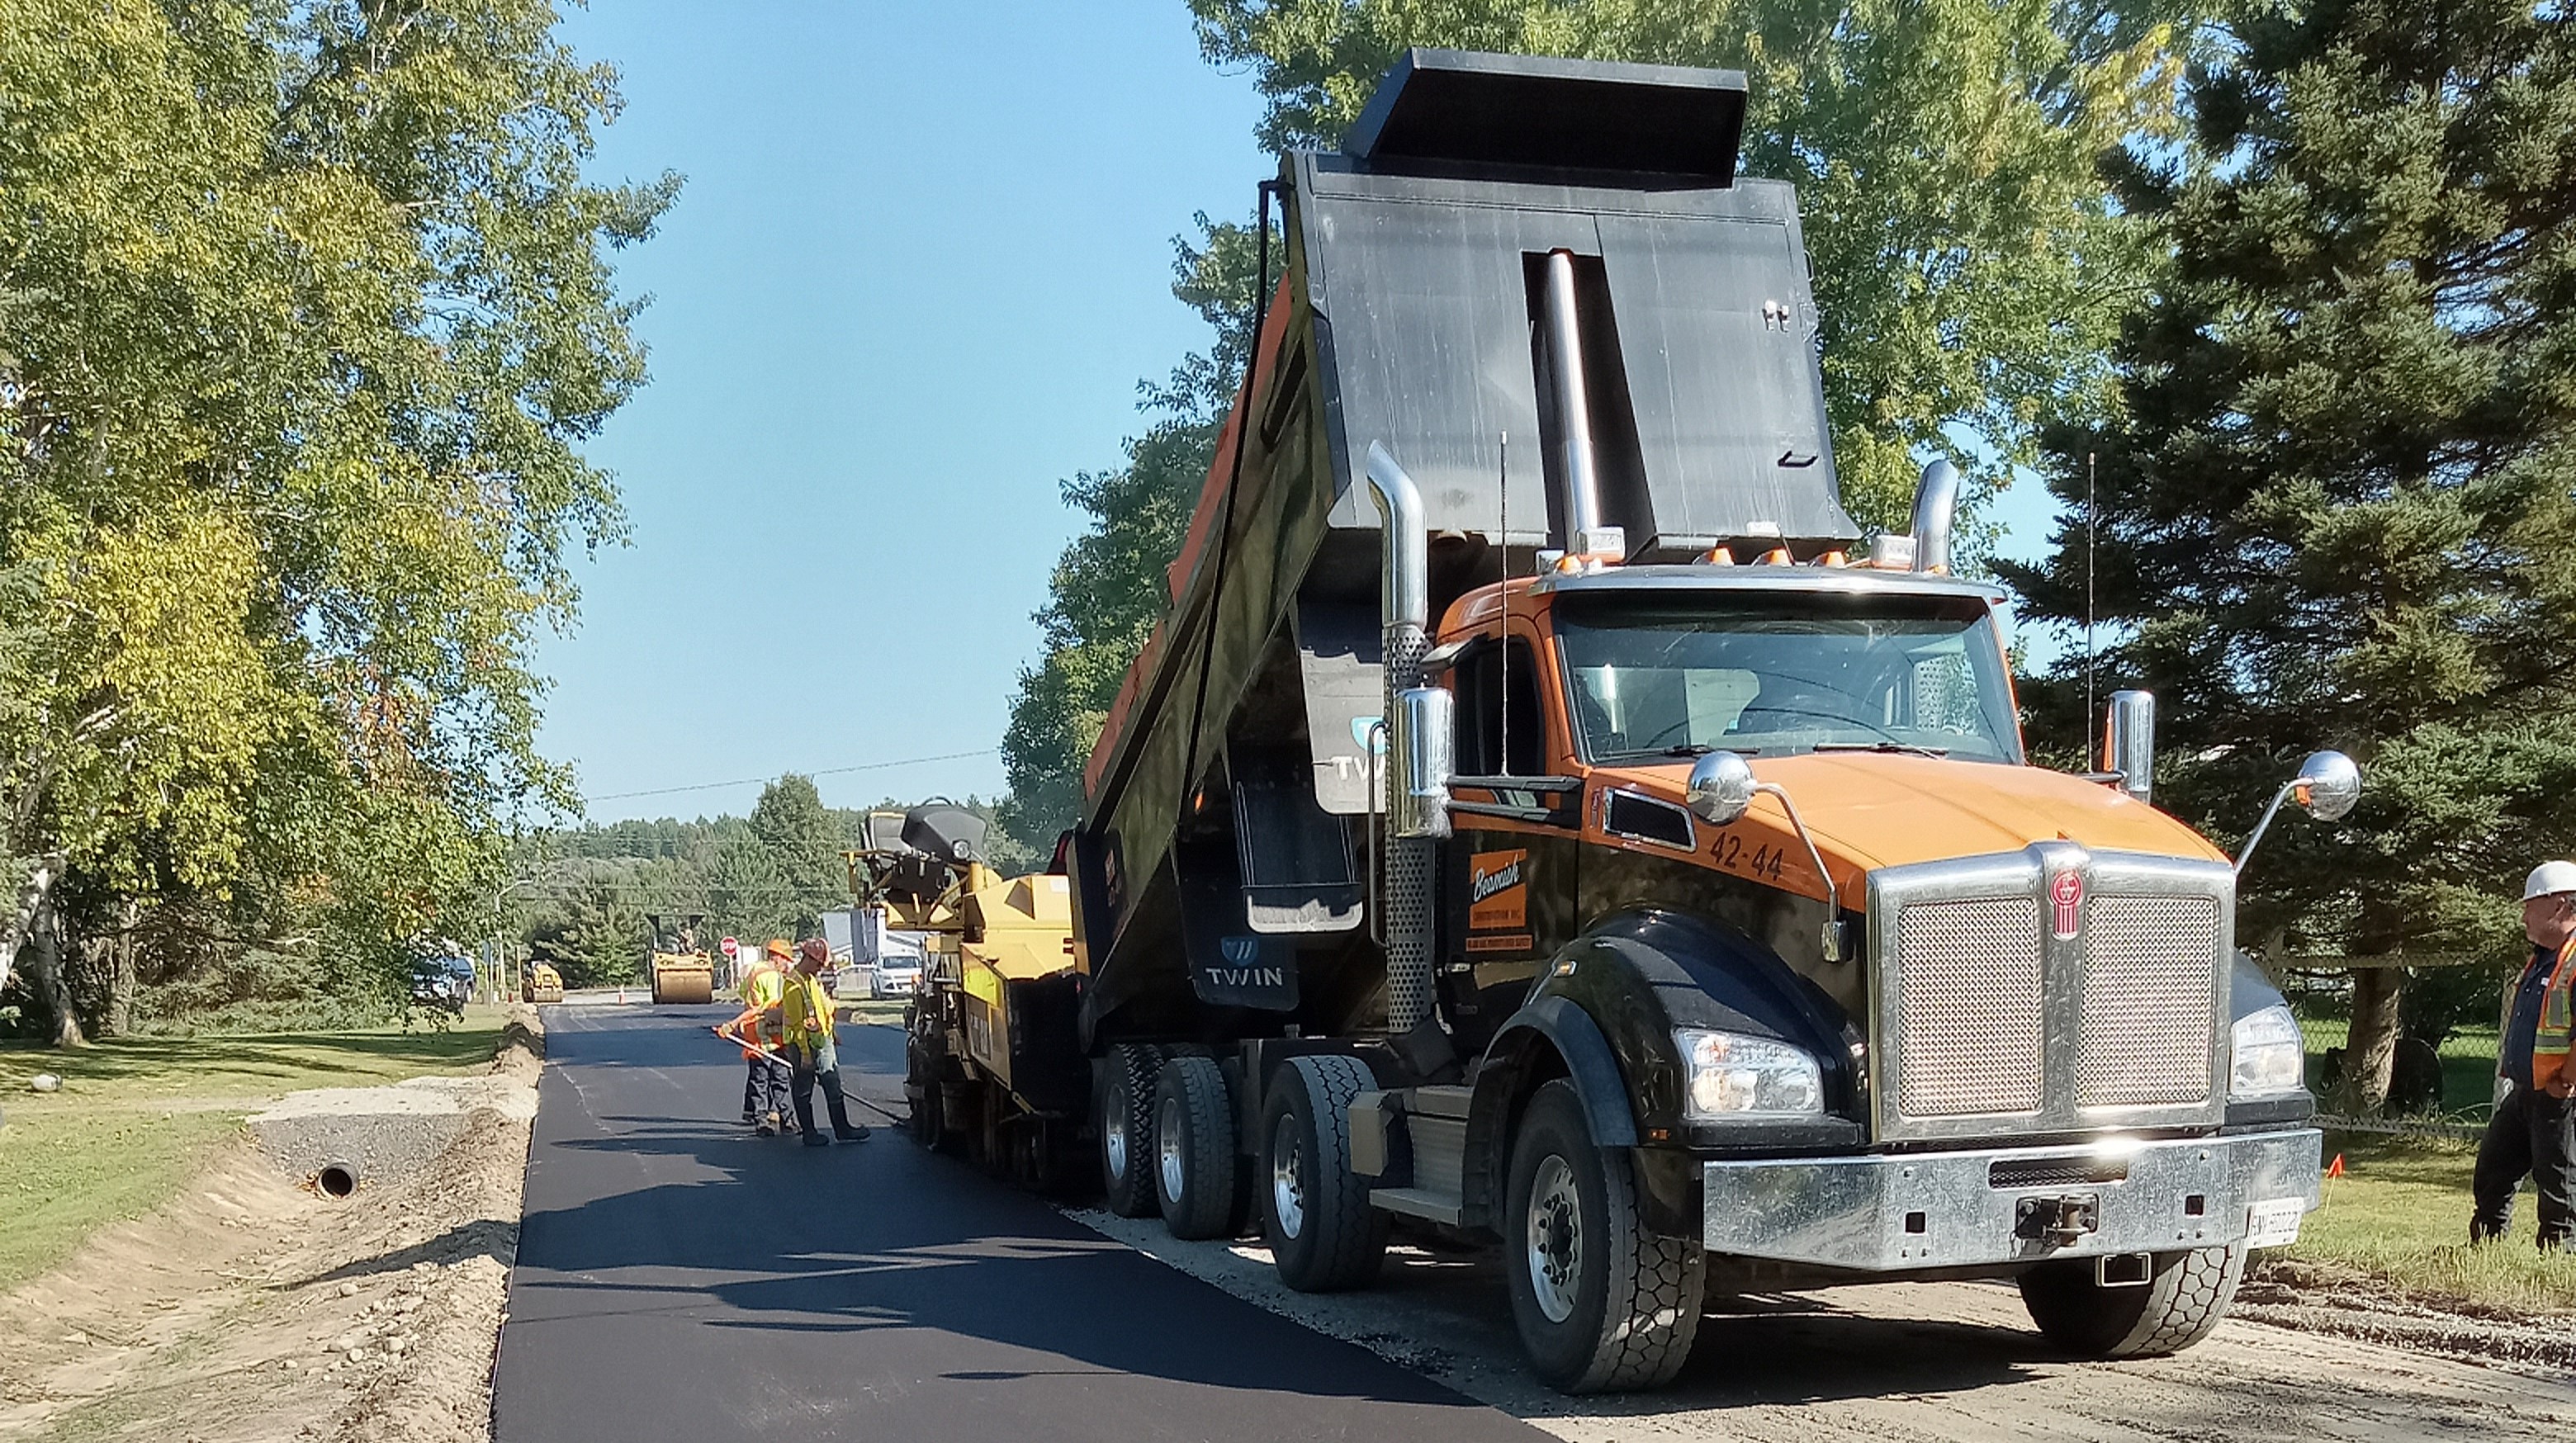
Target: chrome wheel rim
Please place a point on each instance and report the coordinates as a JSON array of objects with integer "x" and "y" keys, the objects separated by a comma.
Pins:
[
  {"x": 1113, "y": 1132},
  {"x": 1554, "y": 1237},
  {"x": 1167, "y": 1143},
  {"x": 1287, "y": 1194}
]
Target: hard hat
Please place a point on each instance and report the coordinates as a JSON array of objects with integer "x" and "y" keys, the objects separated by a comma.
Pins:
[
  {"x": 818, "y": 950},
  {"x": 779, "y": 949},
  {"x": 2549, "y": 879}
]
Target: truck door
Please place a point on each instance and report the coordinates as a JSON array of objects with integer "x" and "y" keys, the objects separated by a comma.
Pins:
[{"x": 1508, "y": 879}]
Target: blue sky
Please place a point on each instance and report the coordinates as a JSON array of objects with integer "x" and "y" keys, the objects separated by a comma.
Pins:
[{"x": 922, "y": 258}]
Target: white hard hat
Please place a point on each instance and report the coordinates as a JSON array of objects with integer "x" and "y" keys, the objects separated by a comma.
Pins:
[{"x": 2549, "y": 879}]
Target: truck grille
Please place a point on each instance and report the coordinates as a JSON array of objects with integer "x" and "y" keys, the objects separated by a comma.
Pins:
[
  {"x": 2149, "y": 1010},
  {"x": 2053, "y": 990},
  {"x": 1969, "y": 986}
]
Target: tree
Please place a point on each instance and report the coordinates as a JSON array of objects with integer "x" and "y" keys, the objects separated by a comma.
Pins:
[
  {"x": 790, "y": 823},
  {"x": 304, "y": 308},
  {"x": 597, "y": 940},
  {"x": 1968, "y": 265},
  {"x": 2338, "y": 504}
]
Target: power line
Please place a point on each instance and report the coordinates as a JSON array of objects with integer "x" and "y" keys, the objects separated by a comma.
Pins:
[{"x": 825, "y": 772}]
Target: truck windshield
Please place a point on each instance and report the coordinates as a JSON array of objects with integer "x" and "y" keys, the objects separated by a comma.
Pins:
[{"x": 1773, "y": 677}]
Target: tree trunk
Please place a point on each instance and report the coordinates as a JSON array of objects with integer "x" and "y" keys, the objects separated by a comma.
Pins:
[
  {"x": 121, "y": 981},
  {"x": 33, "y": 890},
  {"x": 2370, "y": 1050},
  {"x": 52, "y": 991},
  {"x": 102, "y": 984}
]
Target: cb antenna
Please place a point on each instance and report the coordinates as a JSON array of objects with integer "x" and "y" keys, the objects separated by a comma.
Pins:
[
  {"x": 1503, "y": 524},
  {"x": 2092, "y": 527}
]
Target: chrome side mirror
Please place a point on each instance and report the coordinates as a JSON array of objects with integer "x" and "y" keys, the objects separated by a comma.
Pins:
[
  {"x": 2328, "y": 784},
  {"x": 1721, "y": 788},
  {"x": 1423, "y": 762},
  {"x": 2129, "y": 742}
]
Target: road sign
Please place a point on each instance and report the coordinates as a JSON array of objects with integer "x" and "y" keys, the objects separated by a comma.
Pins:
[{"x": 732, "y": 948}]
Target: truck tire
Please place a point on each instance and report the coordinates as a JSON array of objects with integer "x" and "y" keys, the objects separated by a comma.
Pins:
[
  {"x": 1315, "y": 1212},
  {"x": 1126, "y": 1126},
  {"x": 2183, "y": 1298},
  {"x": 1601, "y": 1303},
  {"x": 1193, "y": 1159}
]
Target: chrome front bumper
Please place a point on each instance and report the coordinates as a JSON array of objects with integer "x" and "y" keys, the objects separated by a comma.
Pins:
[{"x": 2011, "y": 1205}]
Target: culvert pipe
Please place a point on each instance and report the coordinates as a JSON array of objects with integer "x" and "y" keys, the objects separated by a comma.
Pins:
[{"x": 337, "y": 1179}]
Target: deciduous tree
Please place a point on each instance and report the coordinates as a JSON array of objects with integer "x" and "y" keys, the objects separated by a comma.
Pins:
[{"x": 304, "y": 308}]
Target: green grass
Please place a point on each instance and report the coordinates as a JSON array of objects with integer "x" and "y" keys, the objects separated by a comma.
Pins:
[
  {"x": 2400, "y": 1214},
  {"x": 136, "y": 1116},
  {"x": 2468, "y": 1065}
]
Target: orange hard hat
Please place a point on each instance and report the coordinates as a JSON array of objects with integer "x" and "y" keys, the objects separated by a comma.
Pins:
[
  {"x": 779, "y": 949},
  {"x": 817, "y": 950}
]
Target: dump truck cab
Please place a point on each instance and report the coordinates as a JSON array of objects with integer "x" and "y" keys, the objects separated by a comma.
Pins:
[{"x": 1546, "y": 817}]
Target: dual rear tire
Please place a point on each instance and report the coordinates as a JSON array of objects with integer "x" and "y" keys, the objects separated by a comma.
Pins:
[
  {"x": 1123, "y": 1118},
  {"x": 1315, "y": 1213},
  {"x": 1197, "y": 1173}
]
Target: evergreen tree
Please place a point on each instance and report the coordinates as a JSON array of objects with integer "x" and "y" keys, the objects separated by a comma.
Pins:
[
  {"x": 2340, "y": 506},
  {"x": 804, "y": 843}
]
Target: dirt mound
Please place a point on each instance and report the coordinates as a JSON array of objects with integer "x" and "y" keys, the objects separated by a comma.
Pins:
[
  {"x": 2295, "y": 1294},
  {"x": 252, "y": 1309}
]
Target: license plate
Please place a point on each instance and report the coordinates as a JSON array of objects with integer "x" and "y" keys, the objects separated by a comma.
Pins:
[{"x": 2275, "y": 1223}]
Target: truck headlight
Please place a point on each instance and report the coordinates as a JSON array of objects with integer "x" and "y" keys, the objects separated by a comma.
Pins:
[
  {"x": 2271, "y": 1058},
  {"x": 1728, "y": 1076}
]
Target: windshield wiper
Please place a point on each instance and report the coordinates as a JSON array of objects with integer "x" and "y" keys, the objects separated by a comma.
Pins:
[
  {"x": 1701, "y": 749},
  {"x": 1886, "y": 746}
]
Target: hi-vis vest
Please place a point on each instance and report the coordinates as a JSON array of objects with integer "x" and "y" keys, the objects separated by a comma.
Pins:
[
  {"x": 762, "y": 987},
  {"x": 807, "y": 1011},
  {"x": 2552, "y": 1046}
]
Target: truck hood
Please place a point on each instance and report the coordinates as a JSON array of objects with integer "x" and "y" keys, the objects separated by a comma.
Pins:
[{"x": 1870, "y": 810}]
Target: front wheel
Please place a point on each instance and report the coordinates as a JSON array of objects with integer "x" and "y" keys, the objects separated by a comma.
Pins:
[
  {"x": 2184, "y": 1297},
  {"x": 1601, "y": 1303}
]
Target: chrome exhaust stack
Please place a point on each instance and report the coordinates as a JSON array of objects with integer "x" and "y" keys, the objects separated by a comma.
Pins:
[
  {"x": 1936, "y": 501},
  {"x": 1586, "y": 536},
  {"x": 1416, "y": 761}
]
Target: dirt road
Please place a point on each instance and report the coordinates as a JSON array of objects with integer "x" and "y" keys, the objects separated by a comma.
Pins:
[{"x": 1946, "y": 1361}]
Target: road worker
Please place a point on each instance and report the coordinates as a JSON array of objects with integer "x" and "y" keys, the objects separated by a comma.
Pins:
[
  {"x": 765, "y": 1088},
  {"x": 806, "y": 1013},
  {"x": 2534, "y": 1128}
]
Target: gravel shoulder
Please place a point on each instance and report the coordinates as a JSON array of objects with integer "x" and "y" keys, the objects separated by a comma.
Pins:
[
  {"x": 1947, "y": 1361},
  {"x": 252, "y": 1308}
]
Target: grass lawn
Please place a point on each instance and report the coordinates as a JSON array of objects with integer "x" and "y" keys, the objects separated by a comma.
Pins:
[
  {"x": 2400, "y": 1213},
  {"x": 136, "y": 1115}
]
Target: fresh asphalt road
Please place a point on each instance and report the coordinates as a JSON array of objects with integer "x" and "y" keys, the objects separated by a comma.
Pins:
[{"x": 679, "y": 1278}]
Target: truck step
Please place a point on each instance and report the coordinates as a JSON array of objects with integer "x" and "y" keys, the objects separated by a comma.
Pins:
[{"x": 1419, "y": 1203}]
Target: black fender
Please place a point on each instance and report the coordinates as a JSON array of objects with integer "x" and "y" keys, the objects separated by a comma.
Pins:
[
  {"x": 1548, "y": 1037},
  {"x": 1602, "y": 1014}
]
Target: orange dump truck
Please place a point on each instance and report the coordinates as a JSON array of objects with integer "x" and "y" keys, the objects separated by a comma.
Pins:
[{"x": 1547, "y": 820}]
